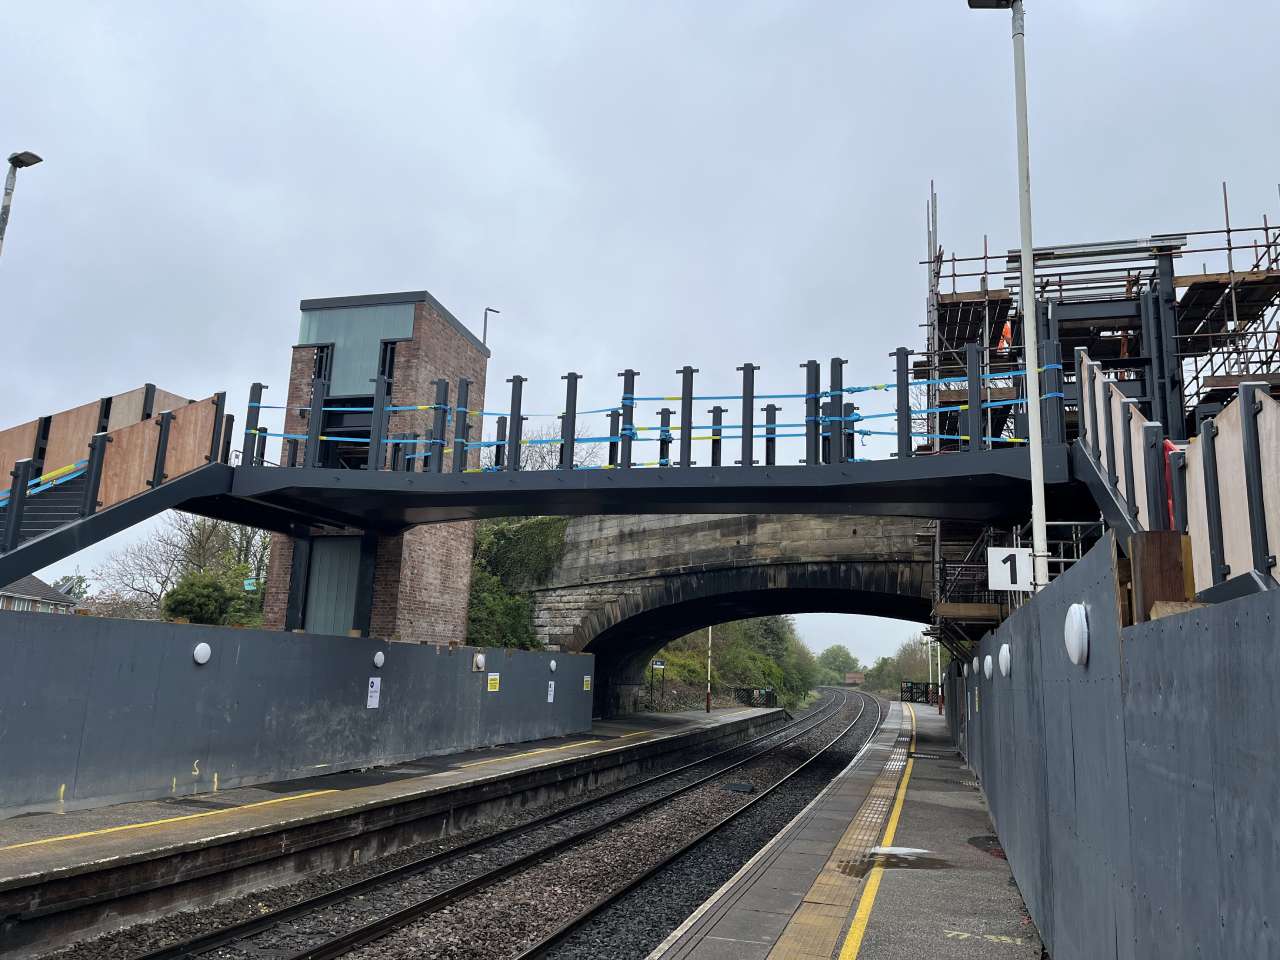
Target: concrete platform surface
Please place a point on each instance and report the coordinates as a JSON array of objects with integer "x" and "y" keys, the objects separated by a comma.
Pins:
[
  {"x": 895, "y": 859},
  {"x": 47, "y": 844}
]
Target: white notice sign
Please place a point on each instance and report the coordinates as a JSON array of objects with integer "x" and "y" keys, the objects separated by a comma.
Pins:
[
  {"x": 551, "y": 691},
  {"x": 1009, "y": 568},
  {"x": 375, "y": 693}
]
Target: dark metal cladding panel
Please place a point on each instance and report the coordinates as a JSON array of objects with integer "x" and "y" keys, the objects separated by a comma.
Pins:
[
  {"x": 1203, "y": 697},
  {"x": 119, "y": 710}
]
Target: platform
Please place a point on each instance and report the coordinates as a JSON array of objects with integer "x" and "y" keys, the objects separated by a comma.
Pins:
[
  {"x": 895, "y": 859},
  {"x": 87, "y": 860}
]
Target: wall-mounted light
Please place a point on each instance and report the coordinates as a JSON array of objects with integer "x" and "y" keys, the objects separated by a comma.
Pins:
[
  {"x": 1006, "y": 660},
  {"x": 379, "y": 659},
  {"x": 477, "y": 662},
  {"x": 202, "y": 653},
  {"x": 986, "y": 666},
  {"x": 1076, "y": 634},
  {"x": 552, "y": 665},
  {"x": 976, "y": 665}
]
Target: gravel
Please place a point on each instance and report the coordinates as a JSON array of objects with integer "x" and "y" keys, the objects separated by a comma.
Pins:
[{"x": 144, "y": 938}]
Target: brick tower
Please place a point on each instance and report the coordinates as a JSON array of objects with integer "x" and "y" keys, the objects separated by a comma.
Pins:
[{"x": 412, "y": 586}]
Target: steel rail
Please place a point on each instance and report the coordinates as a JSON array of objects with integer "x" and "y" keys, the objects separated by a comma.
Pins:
[
  {"x": 560, "y": 933},
  {"x": 376, "y": 929},
  {"x": 203, "y": 943}
]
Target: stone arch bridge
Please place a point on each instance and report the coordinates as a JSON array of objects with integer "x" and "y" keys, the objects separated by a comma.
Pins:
[{"x": 627, "y": 586}]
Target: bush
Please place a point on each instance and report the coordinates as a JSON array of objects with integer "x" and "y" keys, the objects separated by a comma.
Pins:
[
  {"x": 199, "y": 598},
  {"x": 496, "y": 617}
]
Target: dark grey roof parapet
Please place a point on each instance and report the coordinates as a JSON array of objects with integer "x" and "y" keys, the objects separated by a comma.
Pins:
[{"x": 379, "y": 299}]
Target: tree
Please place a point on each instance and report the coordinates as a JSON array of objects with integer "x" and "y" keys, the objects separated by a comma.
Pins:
[
  {"x": 543, "y": 450},
  {"x": 199, "y": 598},
  {"x": 139, "y": 576},
  {"x": 75, "y": 585},
  {"x": 838, "y": 659}
]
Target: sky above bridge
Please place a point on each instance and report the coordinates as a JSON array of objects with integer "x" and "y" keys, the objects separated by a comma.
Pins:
[{"x": 631, "y": 185}]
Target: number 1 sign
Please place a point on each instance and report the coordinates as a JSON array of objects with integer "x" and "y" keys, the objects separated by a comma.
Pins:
[{"x": 1009, "y": 568}]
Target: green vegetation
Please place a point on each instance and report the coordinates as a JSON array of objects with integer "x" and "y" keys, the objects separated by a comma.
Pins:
[
  {"x": 199, "y": 598},
  {"x": 510, "y": 557},
  {"x": 835, "y": 661},
  {"x": 761, "y": 653},
  {"x": 911, "y": 662}
]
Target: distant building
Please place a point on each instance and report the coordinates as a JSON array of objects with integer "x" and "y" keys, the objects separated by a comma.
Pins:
[
  {"x": 855, "y": 679},
  {"x": 33, "y": 594}
]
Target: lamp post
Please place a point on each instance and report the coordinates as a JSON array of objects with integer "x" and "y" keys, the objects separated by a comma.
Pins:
[
  {"x": 1026, "y": 292},
  {"x": 484, "y": 334},
  {"x": 24, "y": 158},
  {"x": 708, "y": 669}
]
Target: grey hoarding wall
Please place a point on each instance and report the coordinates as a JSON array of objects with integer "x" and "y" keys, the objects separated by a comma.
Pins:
[
  {"x": 94, "y": 709},
  {"x": 1136, "y": 796}
]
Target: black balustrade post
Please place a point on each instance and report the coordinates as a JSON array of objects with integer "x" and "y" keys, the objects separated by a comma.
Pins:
[
  {"x": 1113, "y": 477},
  {"x": 1250, "y": 409},
  {"x": 163, "y": 423},
  {"x": 628, "y": 417},
  {"x": 397, "y": 451},
  {"x": 836, "y": 424},
  {"x": 1178, "y": 489},
  {"x": 615, "y": 420},
  {"x": 848, "y": 413},
  {"x": 93, "y": 473},
  {"x": 904, "y": 401},
  {"x": 664, "y": 436},
  {"x": 1130, "y": 491},
  {"x": 292, "y": 445},
  {"x": 439, "y": 429},
  {"x": 219, "y": 401},
  {"x": 748, "y": 413},
  {"x": 812, "y": 412},
  {"x": 315, "y": 422},
  {"x": 1082, "y": 415},
  {"x": 1055, "y": 411},
  {"x": 973, "y": 413},
  {"x": 260, "y": 449},
  {"x": 1219, "y": 570},
  {"x": 378, "y": 425},
  {"x": 21, "y": 474},
  {"x": 1095, "y": 438},
  {"x": 500, "y": 448},
  {"x": 515, "y": 428},
  {"x": 569, "y": 420},
  {"x": 686, "y": 415},
  {"x": 1153, "y": 474},
  {"x": 251, "y": 422},
  {"x": 462, "y": 426},
  {"x": 770, "y": 434},
  {"x": 717, "y": 418}
]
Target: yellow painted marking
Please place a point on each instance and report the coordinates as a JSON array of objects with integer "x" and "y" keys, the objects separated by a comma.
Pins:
[
  {"x": 528, "y": 753},
  {"x": 858, "y": 929},
  {"x": 62, "y": 793},
  {"x": 158, "y": 823},
  {"x": 215, "y": 781}
]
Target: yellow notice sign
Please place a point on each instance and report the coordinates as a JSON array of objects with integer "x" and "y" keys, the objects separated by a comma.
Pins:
[
  {"x": 494, "y": 681},
  {"x": 586, "y": 682}
]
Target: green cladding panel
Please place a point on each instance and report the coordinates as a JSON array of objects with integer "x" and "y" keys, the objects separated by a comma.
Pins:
[
  {"x": 331, "y": 585},
  {"x": 356, "y": 334}
]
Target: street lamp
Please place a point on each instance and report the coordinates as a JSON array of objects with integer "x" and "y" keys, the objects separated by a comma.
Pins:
[
  {"x": 484, "y": 335},
  {"x": 1026, "y": 292},
  {"x": 24, "y": 158}
]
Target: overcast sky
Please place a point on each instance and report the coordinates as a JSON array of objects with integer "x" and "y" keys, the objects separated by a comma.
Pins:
[{"x": 641, "y": 185}]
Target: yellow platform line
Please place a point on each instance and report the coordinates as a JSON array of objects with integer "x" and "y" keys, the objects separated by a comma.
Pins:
[
  {"x": 527, "y": 753},
  {"x": 858, "y": 929},
  {"x": 167, "y": 820}
]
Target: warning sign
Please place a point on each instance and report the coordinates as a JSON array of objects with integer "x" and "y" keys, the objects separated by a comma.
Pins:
[
  {"x": 494, "y": 682},
  {"x": 375, "y": 693},
  {"x": 586, "y": 682}
]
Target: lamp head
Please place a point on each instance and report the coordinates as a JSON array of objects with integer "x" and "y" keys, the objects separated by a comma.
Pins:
[{"x": 24, "y": 158}]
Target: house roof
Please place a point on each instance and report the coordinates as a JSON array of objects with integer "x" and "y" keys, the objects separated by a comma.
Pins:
[{"x": 36, "y": 589}]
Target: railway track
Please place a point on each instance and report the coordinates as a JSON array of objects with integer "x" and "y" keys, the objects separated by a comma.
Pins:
[{"x": 303, "y": 929}]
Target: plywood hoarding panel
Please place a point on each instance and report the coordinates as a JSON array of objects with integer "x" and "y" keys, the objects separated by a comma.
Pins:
[
  {"x": 128, "y": 462},
  {"x": 69, "y": 434},
  {"x": 190, "y": 437},
  {"x": 16, "y": 443}
]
